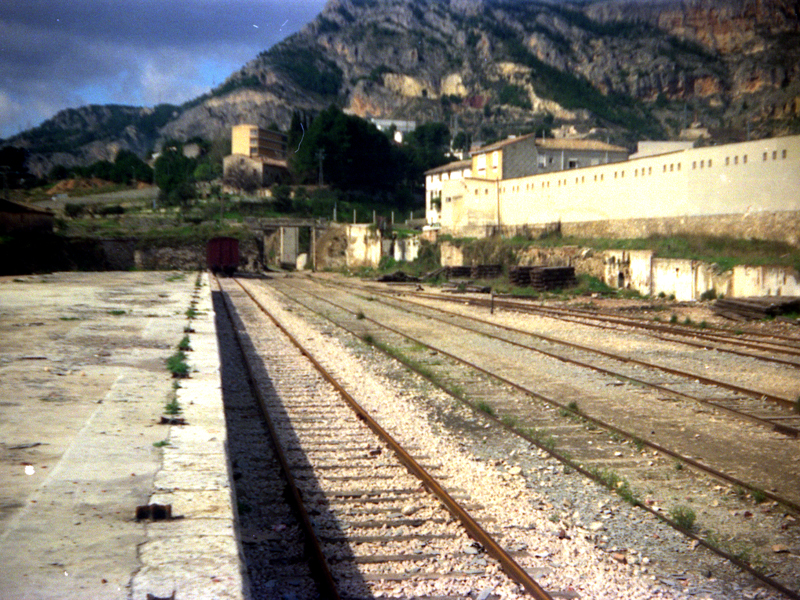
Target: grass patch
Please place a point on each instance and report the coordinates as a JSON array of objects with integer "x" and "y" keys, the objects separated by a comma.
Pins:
[
  {"x": 68, "y": 318},
  {"x": 176, "y": 364},
  {"x": 183, "y": 345},
  {"x": 615, "y": 483},
  {"x": 161, "y": 444},
  {"x": 509, "y": 421},
  {"x": 116, "y": 312},
  {"x": 191, "y": 312},
  {"x": 360, "y": 315},
  {"x": 485, "y": 407}
]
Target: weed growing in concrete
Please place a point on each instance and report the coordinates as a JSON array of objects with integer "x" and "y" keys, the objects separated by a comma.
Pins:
[
  {"x": 683, "y": 516},
  {"x": 758, "y": 496},
  {"x": 176, "y": 364},
  {"x": 368, "y": 339},
  {"x": 360, "y": 315},
  {"x": 173, "y": 407},
  {"x": 673, "y": 319},
  {"x": 183, "y": 345},
  {"x": 687, "y": 321},
  {"x": 191, "y": 312},
  {"x": 68, "y": 318},
  {"x": 116, "y": 312},
  {"x": 161, "y": 444}
]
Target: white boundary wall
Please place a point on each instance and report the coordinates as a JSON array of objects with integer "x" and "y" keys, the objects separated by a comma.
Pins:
[{"x": 745, "y": 178}]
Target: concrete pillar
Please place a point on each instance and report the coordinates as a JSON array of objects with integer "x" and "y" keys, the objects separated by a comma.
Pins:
[{"x": 290, "y": 242}]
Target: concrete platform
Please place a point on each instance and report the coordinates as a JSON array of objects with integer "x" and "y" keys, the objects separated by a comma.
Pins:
[{"x": 83, "y": 385}]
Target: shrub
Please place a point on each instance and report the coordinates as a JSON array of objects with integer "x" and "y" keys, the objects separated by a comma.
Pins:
[{"x": 683, "y": 516}]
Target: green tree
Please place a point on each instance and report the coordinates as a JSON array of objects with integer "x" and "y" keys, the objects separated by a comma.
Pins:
[
  {"x": 354, "y": 153},
  {"x": 128, "y": 167},
  {"x": 174, "y": 175}
]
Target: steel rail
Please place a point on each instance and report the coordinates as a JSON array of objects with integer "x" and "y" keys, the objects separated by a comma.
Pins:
[
  {"x": 565, "y": 460},
  {"x": 785, "y": 402},
  {"x": 508, "y": 564},
  {"x": 639, "y": 323},
  {"x": 674, "y": 330},
  {"x": 320, "y": 569},
  {"x": 765, "y": 422},
  {"x": 569, "y": 315},
  {"x": 655, "y": 446}
]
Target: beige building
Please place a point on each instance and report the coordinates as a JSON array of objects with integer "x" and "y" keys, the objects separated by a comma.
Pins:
[
  {"x": 257, "y": 153},
  {"x": 749, "y": 189},
  {"x": 253, "y": 141}
]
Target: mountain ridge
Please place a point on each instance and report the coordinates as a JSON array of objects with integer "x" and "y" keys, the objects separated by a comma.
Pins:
[{"x": 627, "y": 70}]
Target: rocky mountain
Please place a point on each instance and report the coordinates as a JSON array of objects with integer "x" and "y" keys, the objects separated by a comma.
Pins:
[{"x": 625, "y": 69}]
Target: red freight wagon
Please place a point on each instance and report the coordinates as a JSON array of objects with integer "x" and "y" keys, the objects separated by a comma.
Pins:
[{"x": 223, "y": 255}]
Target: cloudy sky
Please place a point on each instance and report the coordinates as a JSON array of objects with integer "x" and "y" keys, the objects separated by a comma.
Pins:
[{"x": 57, "y": 54}]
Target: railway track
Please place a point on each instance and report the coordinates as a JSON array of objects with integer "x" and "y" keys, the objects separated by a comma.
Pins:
[
  {"x": 575, "y": 435},
  {"x": 768, "y": 410},
  {"x": 768, "y": 347},
  {"x": 374, "y": 518}
]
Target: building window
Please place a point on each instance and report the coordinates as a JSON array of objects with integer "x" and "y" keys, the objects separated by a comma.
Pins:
[
  {"x": 672, "y": 167},
  {"x": 665, "y": 168},
  {"x": 650, "y": 170},
  {"x": 582, "y": 179},
  {"x": 765, "y": 156},
  {"x": 495, "y": 159},
  {"x": 572, "y": 164},
  {"x": 679, "y": 166},
  {"x": 727, "y": 160},
  {"x": 783, "y": 154},
  {"x": 486, "y": 192},
  {"x": 694, "y": 165},
  {"x": 622, "y": 174},
  {"x": 744, "y": 159},
  {"x": 709, "y": 163},
  {"x": 774, "y": 154},
  {"x": 615, "y": 174},
  {"x": 601, "y": 177},
  {"x": 736, "y": 160}
]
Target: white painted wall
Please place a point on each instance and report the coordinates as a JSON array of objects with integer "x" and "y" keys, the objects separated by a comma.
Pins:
[
  {"x": 364, "y": 247},
  {"x": 765, "y": 281},
  {"x": 757, "y": 176}
]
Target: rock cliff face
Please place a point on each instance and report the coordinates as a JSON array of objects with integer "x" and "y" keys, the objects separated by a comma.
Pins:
[{"x": 636, "y": 69}]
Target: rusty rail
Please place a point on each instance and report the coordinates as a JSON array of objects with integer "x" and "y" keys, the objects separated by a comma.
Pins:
[{"x": 508, "y": 564}]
